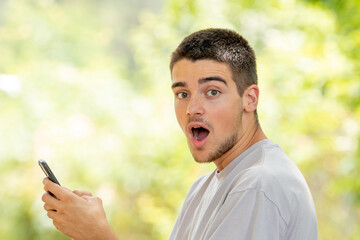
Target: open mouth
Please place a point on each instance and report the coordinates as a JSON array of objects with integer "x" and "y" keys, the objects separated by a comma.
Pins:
[{"x": 199, "y": 133}]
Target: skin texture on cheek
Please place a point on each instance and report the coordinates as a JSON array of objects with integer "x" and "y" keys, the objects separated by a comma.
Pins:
[
  {"x": 231, "y": 128},
  {"x": 224, "y": 121},
  {"x": 223, "y": 135},
  {"x": 220, "y": 113}
]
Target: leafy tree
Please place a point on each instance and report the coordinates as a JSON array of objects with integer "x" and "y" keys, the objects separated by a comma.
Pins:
[{"x": 86, "y": 86}]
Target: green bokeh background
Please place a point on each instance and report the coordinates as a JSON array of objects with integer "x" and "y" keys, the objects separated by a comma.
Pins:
[{"x": 85, "y": 85}]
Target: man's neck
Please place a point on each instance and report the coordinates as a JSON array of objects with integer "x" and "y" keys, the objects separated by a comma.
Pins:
[{"x": 253, "y": 135}]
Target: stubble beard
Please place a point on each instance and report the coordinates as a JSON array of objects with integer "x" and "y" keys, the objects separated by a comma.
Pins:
[{"x": 224, "y": 146}]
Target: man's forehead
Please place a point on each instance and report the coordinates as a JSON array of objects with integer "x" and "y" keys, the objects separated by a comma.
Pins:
[
  {"x": 208, "y": 62},
  {"x": 187, "y": 70}
]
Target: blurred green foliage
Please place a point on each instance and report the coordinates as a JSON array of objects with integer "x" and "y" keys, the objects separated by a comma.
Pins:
[{"x": 85, "y": 85}]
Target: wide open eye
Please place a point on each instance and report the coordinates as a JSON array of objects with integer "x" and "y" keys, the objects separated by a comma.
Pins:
[
  {"x": 212, "y": 93},
  {"x": 182, "y": 95}
]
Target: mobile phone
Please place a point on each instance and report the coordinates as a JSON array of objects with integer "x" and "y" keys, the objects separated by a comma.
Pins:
[{"x": 46, "y": 169}]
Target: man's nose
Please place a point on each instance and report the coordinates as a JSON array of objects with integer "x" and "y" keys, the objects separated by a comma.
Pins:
[{"x": 195, "y": 107}]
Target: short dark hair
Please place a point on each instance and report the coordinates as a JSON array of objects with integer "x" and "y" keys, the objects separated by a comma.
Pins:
[{"x": 221, "y": 45}]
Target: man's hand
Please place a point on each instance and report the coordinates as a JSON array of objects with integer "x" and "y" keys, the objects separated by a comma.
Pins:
[
  {"x": 77, "y": 214},
  {"x": 82, "y": 193}
]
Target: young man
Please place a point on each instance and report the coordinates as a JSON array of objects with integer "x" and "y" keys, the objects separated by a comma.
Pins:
[{"x": 256, "y": 192}]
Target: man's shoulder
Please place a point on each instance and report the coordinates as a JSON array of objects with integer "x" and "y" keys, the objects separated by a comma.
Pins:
[
  {"x": 279, "y": 172},
  {"x": 278, "y": 178},
  {"x": 271, "y": 171}
]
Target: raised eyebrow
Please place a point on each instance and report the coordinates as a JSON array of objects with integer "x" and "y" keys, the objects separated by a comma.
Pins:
[
  {"x": 178, "y": 84},
  {"x": 212, "y": 78}
]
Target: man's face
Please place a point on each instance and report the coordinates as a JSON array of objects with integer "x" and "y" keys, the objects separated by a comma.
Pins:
[{"x": 208, "y": 107}]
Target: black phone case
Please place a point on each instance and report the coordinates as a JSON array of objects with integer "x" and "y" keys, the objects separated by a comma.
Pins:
[{"x": 46, "y": 169}]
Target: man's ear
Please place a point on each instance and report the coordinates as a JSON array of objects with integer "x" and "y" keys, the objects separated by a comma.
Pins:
[{"x": 251, "y": 98}]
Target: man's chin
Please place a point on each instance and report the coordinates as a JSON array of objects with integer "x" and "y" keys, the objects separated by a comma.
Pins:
[{"x": 201, "y": 159}]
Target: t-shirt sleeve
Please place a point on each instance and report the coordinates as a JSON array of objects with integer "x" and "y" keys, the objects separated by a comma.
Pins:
[{"x": 247, "y": 215}]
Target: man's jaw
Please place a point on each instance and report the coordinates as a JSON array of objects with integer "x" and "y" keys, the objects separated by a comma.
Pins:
[{"x": 219, "y": 154}]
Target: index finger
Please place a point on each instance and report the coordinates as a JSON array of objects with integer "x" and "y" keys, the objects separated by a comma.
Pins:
[
  {"x": 57, "y": 190},
  {"x": 81, "y": 193}
]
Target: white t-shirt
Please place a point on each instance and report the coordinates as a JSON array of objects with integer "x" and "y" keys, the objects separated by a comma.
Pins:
[{"x": 260, "y": 195}]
